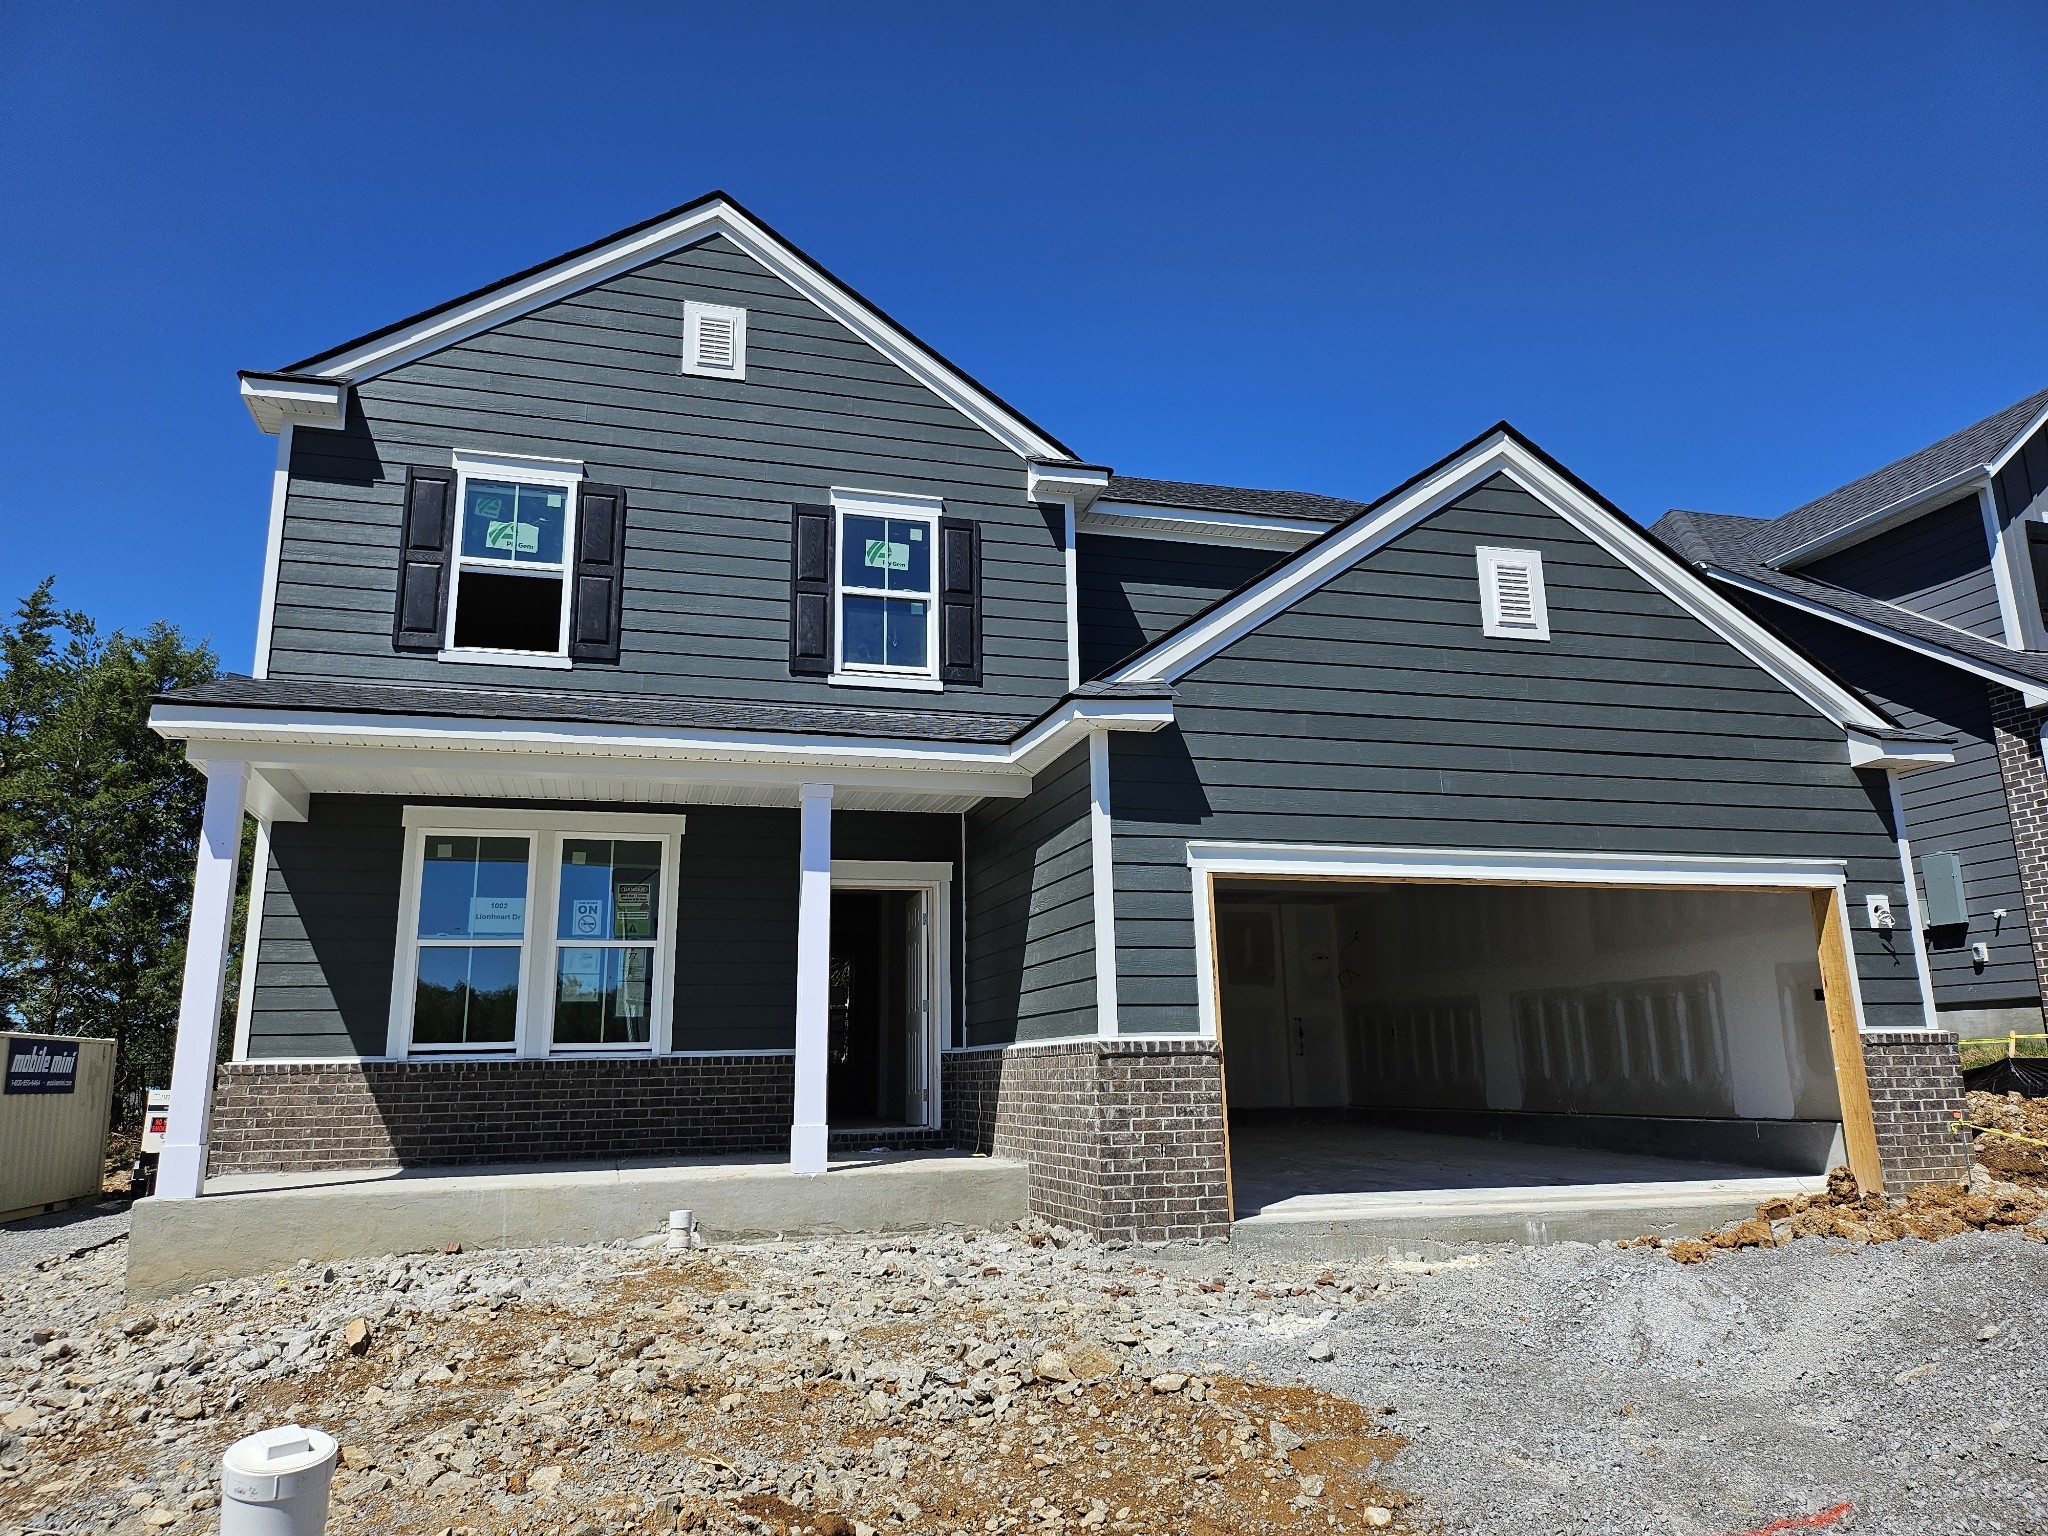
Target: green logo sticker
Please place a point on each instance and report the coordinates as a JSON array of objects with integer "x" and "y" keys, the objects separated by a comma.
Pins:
[
  {"x": 514, "y": 538},
  {"x": 885, "y": 556}
]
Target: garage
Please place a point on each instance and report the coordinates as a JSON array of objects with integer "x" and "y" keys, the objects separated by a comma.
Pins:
[{"x": 1393, "y": 1037}]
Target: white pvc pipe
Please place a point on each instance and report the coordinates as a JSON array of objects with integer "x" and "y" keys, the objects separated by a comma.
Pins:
[{"x": 276, "y": 1482}]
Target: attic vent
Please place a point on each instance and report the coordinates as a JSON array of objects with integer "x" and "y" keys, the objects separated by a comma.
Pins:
[
  {"x": 1511, "y": 604},
  {"x": 714, "y": 340}
]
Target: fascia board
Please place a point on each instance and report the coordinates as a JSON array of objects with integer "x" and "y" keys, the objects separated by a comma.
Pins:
[
  {"x": 2035, "y": 692},
  {"x": 1888, "y": 516},
  {"x": 1068, "y": 726},
  {"x": 381, "y": 354},
  {"x": 1498, "y": 454},
  {"x": 273, "y": 402},
  {"x": 1080, "y": 484},
  {"x": 1137, "y": 520},
  {"x": 1497, "y": 865},
  {"x": 1871, "y": 752}
]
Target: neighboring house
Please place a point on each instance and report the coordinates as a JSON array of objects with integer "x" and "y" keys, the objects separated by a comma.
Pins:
[
  {"x": 1921, "y": 585},
  {"x": 692, "y": 716}
]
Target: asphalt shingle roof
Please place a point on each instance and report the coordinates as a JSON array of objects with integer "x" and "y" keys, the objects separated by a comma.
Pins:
[
  {"x": 1971, "y": 448},
  {"x": 1230, "y": 498}
]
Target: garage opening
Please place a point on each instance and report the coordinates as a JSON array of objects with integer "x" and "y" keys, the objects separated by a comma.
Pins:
[{"x": 1386, "y": 1037}]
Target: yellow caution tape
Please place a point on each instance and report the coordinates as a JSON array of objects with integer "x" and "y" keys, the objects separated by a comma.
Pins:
[{"x": 1992, "y": 1130}]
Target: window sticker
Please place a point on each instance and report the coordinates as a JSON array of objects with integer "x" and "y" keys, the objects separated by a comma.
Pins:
[
  {"x": 635, "y": 910},
  {"x": 885, "y": 555},
  {"x": 586, "y": 918},
  {"x": 497, "y": 916},
  {"x": 514, "y": 537},
  {"x": 633, "y": 984}
]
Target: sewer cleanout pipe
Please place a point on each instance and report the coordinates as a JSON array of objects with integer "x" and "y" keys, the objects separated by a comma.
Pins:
[{"x": 275, "y": 1483}]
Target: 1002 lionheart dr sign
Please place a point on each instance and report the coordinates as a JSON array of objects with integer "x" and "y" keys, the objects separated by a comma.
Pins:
[{"x": 42, "y": 1066}]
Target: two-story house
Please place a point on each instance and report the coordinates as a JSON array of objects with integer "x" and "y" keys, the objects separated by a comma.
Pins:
[
  {"x": 691, "y": 716},
  {"x": 1921, "y": 585}
]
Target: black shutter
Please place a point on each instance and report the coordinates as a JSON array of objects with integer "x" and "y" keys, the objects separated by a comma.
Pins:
[
  {"x": 810, "y": 591},
  {"x": 600, "y": 573},
  {"x": 424, "y": 550},
  {"x": 959, "y": 600}
]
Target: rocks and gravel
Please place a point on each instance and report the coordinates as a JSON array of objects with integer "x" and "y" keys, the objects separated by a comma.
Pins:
[
  {"x": 37, "y": 1239},
  {"x": 1032, "y": 1380}
]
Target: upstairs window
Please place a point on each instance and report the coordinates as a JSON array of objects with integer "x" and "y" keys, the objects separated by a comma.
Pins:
[
  {"x": 714, "y": 340},
  {"x": 888, "y": 614},
  {"x": 510, "y": 589},
  {"x": 1511, "y": 599}
]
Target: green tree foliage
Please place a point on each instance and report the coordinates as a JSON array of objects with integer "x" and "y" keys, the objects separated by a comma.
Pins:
[{"x": 99, "y": 818}]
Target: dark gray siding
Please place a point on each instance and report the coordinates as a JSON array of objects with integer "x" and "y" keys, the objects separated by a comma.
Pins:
[
  {"x": 711, "y": 467},
  {"x": 1132, "y": 591},
  {"x": 1959, "y": 809},
  {"x": 330, "y": 921},
  {"x": 1374, "y": 712},
  {"x": 1938, "y": 565},
  {"x": 1030, "y": 921},
  {"x": 2024, "y": 478}
]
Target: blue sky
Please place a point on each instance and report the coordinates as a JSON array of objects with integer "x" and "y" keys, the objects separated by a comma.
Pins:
[{"x": 1719, "y": 256}]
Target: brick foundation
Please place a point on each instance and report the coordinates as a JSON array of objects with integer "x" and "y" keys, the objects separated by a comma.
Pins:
[
  {"x": 1123, "y": 1138},
  {"x": 1916, "y": 1085},
  {"x": 273, "y": 1117},
  {"x": 2017, "y": 731}
]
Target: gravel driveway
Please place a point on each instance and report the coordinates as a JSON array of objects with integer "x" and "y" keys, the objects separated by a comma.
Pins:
[{"x": 61, "y": 1232}]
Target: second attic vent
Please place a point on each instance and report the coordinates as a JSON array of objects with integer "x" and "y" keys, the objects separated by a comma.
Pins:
[
  {"x": 1511, "y": 601},
  {"x": 714, "y": 340}
]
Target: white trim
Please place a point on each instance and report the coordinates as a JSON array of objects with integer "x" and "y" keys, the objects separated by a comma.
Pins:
[
  {"x": 935, "y": 881},
  {"x": 2004, "y": 456},
  {"x": 1870, "y": 524},
  {"x": 1499, "y": 454},
  {"x": 810, "y": 1132},
  {"x": 380, "y": 354},
  {"x": 565, "y": 475},
  {"x": 925, "y": 510},
  {"x": 2034, "y": 693},
  {"x": 1071, "y": 485},
  {"x": 1180, "y": 525},
  {"x": 1070, "y": 563},
  {"x": 1916, "y": 920},
  {"x": 695, "y": 313},
  {"x": 277, "y": 404},
  {"x": 1102, "y": 881},
  {"x": 1867, "y": 751},
  {"x": 544, "y": 832},
  {"x": 2004, "y": 572},
  {"x": 1495, "y": 866},
  {"x": 252, "y": 936},
  {"x": 273, "y": 552},
  {"x": 276, "y": 795},
  {"x": 1490, "y": 561}
]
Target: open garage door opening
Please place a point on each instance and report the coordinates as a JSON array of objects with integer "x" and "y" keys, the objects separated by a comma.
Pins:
[{"x": 1382, "y": 1037}]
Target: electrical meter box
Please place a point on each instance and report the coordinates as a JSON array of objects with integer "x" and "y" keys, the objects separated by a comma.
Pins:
[{"x": 1942, "y": 874}]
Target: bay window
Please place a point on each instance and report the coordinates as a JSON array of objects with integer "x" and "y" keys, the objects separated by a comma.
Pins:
[{"x": 529, "y": 933}]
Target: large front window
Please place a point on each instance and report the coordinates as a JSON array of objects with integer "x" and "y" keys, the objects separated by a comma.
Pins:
[
  {"x": 511, "y": 581},
  {"x": 887, "y": 613},
  {"x": 532, "y": 932}
]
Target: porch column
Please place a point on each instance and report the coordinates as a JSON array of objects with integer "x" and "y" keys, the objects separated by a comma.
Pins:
[
  {"x": 181, "y": 1167},
  {"x": 808, "y": 1132}
]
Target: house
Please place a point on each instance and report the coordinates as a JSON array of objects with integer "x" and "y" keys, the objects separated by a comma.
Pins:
[
  {"x": 1921, "y": 585},
  {"x": 691, "y": 717}
]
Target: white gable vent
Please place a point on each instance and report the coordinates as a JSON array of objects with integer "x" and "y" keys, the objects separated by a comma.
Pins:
[
  {"x": 1511, "y": 605},
  {"x": 714, "y": 340}
]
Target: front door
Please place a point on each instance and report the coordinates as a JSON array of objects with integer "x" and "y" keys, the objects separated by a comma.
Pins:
[{"x": 1283, "y": 1036}]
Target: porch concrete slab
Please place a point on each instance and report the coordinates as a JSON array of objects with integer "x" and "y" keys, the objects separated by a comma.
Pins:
[
  {"x": 1436, "y": 1222},
  {"x": 254, "y": 1224}
]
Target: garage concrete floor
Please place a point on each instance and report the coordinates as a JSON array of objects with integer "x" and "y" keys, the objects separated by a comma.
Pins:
[{"x": 1273, "y": 1166}]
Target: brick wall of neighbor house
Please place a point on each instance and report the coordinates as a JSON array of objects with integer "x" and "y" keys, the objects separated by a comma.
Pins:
[
  {"x": 1916, "y": 1085},
  {"x": 2018, "y": 733},
  {"x": 271, "y": 1117},
  {"x": 1123, "y": 1138}
]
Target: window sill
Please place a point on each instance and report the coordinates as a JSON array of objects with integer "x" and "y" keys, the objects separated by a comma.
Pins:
[
  {"x": 903, "y": 682},
  {"x": 506, "y": 659}
]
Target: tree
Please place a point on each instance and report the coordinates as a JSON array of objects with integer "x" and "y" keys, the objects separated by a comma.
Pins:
[{"x": 99, "y": 820}]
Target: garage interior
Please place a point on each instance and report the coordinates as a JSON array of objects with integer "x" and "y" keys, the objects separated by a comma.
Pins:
[{"x": 1382, "y": 1037}]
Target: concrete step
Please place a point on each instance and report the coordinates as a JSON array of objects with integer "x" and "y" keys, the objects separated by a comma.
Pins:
[
  {"x": 252, "y": 1224},
  {"x": 1436, "y": 1222}
]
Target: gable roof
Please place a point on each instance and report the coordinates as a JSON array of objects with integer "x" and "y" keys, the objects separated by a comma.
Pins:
[
  {"x": 1918, "y": 478},
  {"x": 713, "y": 214},
  {"x": 1501, "y": 450},
  {"x": 1728, "y": 549}
]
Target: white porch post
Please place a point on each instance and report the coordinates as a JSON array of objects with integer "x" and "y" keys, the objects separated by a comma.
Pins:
[
  {"x": 181, "y": 1168},
  {"x": 808, "y": 1132}
]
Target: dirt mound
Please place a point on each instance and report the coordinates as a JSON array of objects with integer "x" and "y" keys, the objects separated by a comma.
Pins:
[{"x": 2007, "y": 1192}]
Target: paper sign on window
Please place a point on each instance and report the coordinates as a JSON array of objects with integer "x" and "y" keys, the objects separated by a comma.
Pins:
[
  {"x": 497, "y": 916},
  {"x": 586, "y": 919},
  {"x": 635, "y": 909},
  {"x": 514, "y": 538},
  {"x": 886, "y": 556}
]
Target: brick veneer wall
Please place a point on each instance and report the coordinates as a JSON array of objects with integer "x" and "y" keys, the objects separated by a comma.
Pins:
[
  {"x": 1916, "y": 1086},
  {"x": 1123, "y": 1138},
  {"x": 2017, "y": 731},
  {"x": 299, "y": 1116}
]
